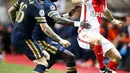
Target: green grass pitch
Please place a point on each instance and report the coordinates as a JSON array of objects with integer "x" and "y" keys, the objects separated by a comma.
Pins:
[{"x": 13, "y": 68}]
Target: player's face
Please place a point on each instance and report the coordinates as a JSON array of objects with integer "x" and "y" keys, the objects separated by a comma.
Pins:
[{"x": 54, "y": 0}]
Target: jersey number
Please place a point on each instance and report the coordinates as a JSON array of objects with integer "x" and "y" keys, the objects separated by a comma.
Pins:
[{"x": 20, "y": 15}]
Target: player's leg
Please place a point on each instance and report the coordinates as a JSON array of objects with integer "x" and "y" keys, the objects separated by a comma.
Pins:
[
  {"x": 51, "y": 62},
  {"x": 93, "y": 37},
  {"x": 69, "y": 58},
  {"x": 98, "y": 50},
  {"x": 34, "y": 53},
  {"x": 112, "y": 53},
  {"x": 56, "y": 51},
  {"x": 99, "y": 47},
  {"x": 114, "y": 57},
  {"x": 47, "y": 56},
  {"x": 52, "y": 49}
]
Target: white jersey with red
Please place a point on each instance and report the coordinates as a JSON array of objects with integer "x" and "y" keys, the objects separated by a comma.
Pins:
[{"x": 92, "y": 11}]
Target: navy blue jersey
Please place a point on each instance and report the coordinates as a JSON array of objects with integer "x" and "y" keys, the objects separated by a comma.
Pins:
[
  {"x": 50, "y": 10},
  {"x": 30, "y": 13}
]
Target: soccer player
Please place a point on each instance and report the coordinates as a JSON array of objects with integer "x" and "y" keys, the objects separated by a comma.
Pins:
[
  {"x": 92, "y": 12},
  {"x": 30, "y": 13},
  {"x": 55, "y": 50}
]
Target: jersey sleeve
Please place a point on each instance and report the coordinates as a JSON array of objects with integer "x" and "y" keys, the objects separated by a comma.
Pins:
[
  {"x": 50, "y": 9},
  {"x": 38, "y": 14},
  {"x": 17, "y": 4}
]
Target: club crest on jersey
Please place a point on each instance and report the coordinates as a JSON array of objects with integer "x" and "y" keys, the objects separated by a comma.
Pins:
[
  {"x": 41, "y": 13},
  {"x": 52, "y": 7}
]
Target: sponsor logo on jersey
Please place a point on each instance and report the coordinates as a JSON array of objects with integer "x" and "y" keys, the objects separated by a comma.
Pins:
[{"x": 96, "y": 14}]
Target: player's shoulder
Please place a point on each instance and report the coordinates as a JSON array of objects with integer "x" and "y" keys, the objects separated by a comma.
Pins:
[
  {"x": 35, "y": 5},
  {"x": 49, "y": 5}
]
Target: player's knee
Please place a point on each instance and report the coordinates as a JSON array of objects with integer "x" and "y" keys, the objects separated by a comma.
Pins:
[
  {"x": 97, "y": 40},
  {"x": 41, "y": 61},
  {"x": 68, "y": 55},
  {"x": 118, "y": 58},
  {"x": 72, "y": 56},
  {"x": 47, "y": 55}
]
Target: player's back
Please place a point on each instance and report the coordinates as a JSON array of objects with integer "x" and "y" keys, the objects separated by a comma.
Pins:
[
  {"x": 30, "y": 13},
  {"x": 26, "y": 20},
  {"x": 48, "y": 8}
]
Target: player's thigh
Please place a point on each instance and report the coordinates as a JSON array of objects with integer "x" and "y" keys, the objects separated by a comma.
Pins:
[
  {"x": 51, "y": 48},
  {"x": 34, "y": 52},
  {"x": 61, "y": 52},
  {"x": 90, "y": 36},
  {"x": 110, "y": 50},
  {"x": 94, "y": 38},
  {"x": 113, "y": 54},
  {"x": 47, "y": 55}
]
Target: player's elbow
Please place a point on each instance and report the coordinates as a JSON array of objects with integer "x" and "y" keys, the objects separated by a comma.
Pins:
[
  {"x": 12, "y": 10},
  {"x": 58, "y": 19},
  {"x": 9, "y": 11},
  {"x": 44, "y": 30},
  {"x": 43, "y": 27},
  {"x": 106, "y": 9}
]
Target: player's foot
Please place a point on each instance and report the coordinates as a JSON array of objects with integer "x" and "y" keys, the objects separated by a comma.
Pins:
[{"x": 106, "y": 70}]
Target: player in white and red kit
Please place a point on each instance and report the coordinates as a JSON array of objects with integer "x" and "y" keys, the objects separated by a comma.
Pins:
[{"x": 92, "y": 12}]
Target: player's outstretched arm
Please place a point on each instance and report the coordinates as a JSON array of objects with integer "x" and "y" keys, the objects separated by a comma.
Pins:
[
  {"x": 64, "y": 21},
  {"x": 109, "y": 16},
  {"x": 48, "y": 31},
  {"x": 75, "y": 11},
  {"x": 12, "y": 14}
]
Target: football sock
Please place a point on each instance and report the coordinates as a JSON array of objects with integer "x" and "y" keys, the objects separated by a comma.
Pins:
[
  {"x": 112, "y": 65},
  {"x": 99, "y": 55},
  {"x": 39, "y": 69},
  {"x": 71, "y": 67}
]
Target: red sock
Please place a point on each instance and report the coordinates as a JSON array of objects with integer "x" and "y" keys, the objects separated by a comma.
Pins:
[
  {"x": 99, "y": 55},
  {"x": 112, "y": 65}
]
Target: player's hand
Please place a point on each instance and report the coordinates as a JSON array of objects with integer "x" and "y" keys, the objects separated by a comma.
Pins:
[
  {"x": 84, "y": 24},
  {"x": 117, "y": 22},
  {"x": 74, "y": 10},
  {"x": 64, "y": 43}
]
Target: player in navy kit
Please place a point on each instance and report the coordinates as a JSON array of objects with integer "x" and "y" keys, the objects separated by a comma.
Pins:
[
  {"x": 30, "y": 13},
  {"x": 55, "y": 50}
]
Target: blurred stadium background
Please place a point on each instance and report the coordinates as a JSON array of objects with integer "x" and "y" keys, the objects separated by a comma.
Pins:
[{"x": 13, "y": 61}]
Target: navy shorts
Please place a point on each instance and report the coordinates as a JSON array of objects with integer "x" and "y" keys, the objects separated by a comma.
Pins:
[
  {"x": 53, "y": 48},
  {"x": 28, "y": 45}
]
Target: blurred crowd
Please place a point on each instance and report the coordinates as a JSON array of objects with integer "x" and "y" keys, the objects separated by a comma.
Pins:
[{"x": 119, "y": 36}]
